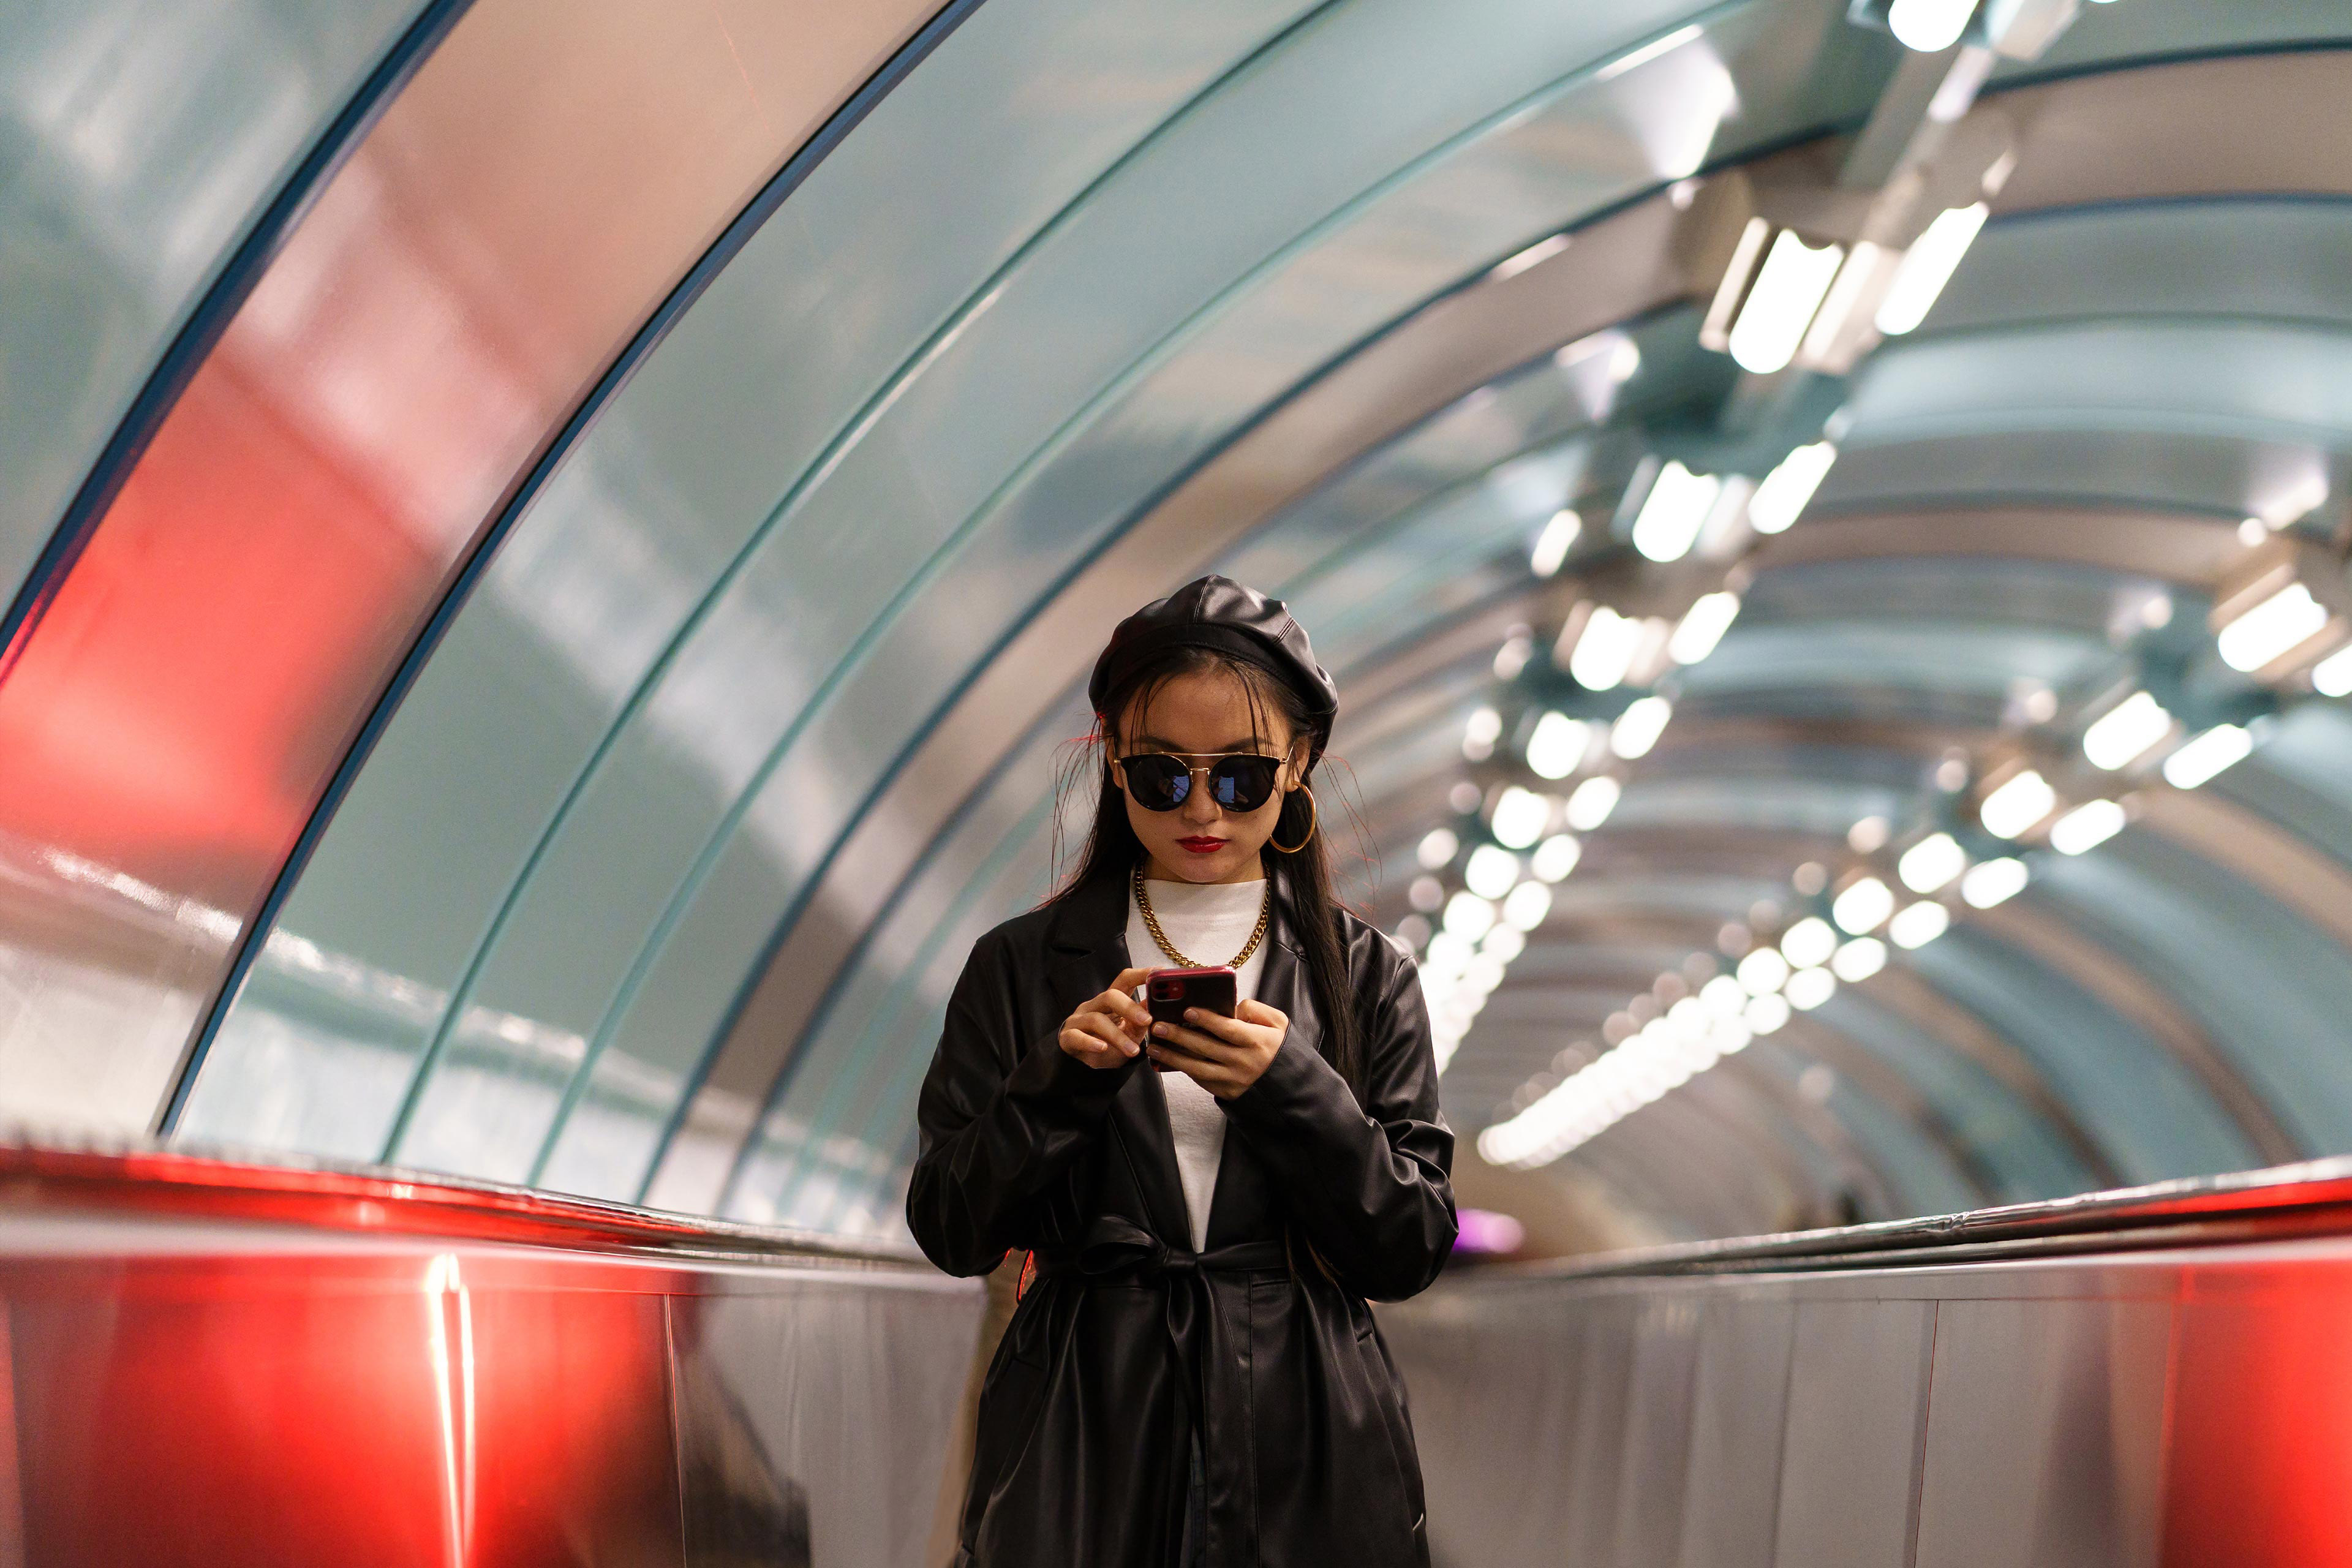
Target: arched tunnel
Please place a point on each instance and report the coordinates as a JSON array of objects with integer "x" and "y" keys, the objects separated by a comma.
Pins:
[{"x": 551, "y": 556}]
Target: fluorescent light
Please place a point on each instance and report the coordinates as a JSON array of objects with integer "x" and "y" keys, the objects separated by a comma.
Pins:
[
  {"x": 1788, "y": 290},
  {"x": 1468, "y": 916},
  {"x": 1790, "y": 486},
  {"x": 2018, "y": 805},
  {"x": 1934, "y": 256},
  {"x": 1525, "y": 908},
  {"x": 1437, "y": 847},
  {"x": 1765, "y": 1015},
  {"x": 1478, "y": 734},
  {"x": 2125, "y": 732},
  {"x": 1858, "y": 960},
  {"x": 1863, "y": 907},
  {"x": 1809, "y": 988},
  {"x": 1542, "y": 250},
  {"x": 1520, "y": 817},
  {"x": 1638, "y": 728},
  {"x": 1920, "y": 924},
  {"x": 1763, "y": 972},
  {"x": 1930, "y": 27},
  {"x": 2279, "y": 623},
  {"x": 1674, "y": 512},
  {"x": 2332, "y": 676},
  {"x": 2217, "y": 748},
  {"x": 2087, "y": 827},
  {"x": 1605, "y": 649},
  {"x": 1701, "y": 626},
  {"x": 1932, "y": 863},
  {"x": 1809, "y": 943},
  {"x": 1594, "y": 799},
  {"x": 1490, "y": 871},
  {"x": 1555, "y": 858},
  {"x": 1994, "y": 882},
  {"x": 1553, "y": 543},
  {"x": 1557, "y": 746},
  {"x": 1724, "y": 997}
]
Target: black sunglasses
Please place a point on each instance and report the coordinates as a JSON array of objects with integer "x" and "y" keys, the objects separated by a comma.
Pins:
[{"x": 1238, "y": 781}]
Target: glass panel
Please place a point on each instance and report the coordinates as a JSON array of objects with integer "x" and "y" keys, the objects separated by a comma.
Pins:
[
  {"x": 139, "y": 140},
  {"x": 174, "y": 719}
]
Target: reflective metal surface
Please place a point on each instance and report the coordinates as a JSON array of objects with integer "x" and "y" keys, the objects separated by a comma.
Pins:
[
  {"x": 177, "y": 709},
  {"x": 2135, "y": 1380},
  {"x": 212, "y": 1365}
]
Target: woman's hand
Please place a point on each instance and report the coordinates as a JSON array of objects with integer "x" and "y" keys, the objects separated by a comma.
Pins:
[
  {"x": 1224, "y": 1055},
  {"x": 1107, "y": 1031}
]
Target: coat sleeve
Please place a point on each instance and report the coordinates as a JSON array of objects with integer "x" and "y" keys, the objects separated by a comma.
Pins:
[
  {"x": 1001, "y": 1117},
  {"x": 1370, "y": 1181}
]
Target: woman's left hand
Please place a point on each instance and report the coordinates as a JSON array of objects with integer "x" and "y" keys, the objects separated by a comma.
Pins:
[{"x": 1224, "y": 1055}]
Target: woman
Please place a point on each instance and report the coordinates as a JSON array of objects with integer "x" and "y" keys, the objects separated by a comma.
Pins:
[{"x": 1191, "y": 1376}]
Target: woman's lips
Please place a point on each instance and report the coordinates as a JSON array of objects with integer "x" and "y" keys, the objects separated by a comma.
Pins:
[{"x": 1203, "y": 846}]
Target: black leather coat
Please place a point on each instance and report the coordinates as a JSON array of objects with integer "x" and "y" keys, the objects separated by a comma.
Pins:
[{"x": 1086, "y": 1415}]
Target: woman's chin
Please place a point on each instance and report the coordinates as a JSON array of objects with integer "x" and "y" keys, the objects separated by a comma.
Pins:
[{"x": 1188, "y": 867}]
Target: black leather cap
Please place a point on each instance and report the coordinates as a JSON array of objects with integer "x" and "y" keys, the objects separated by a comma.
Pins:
[{"x": 1218, "y": 613}]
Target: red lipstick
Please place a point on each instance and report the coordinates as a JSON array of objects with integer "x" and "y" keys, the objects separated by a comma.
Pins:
[{"x": 1203, "y": 846}]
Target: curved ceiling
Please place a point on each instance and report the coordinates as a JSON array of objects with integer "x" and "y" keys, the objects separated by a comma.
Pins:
[{"x": 530, "y": 664}]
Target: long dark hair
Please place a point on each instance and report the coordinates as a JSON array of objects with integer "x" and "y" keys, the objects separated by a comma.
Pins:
[{"x": 1112, "y": 849}]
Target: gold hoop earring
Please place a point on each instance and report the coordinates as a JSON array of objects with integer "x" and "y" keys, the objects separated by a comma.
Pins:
[{"x": 1313, "y": 821}]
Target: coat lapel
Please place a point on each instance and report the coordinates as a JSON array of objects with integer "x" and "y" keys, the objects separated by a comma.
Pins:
[{"x": 1085, "y": 949}]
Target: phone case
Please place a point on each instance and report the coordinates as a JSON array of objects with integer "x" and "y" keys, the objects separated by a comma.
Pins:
[{"x": 1167, "y": 992}]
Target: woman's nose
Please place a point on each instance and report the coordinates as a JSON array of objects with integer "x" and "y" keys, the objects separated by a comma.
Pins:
[{"x": 1199, "y": 803}]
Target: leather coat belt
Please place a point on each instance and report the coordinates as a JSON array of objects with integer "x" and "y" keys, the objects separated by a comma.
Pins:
[{"x": 1117, "y": 1251}]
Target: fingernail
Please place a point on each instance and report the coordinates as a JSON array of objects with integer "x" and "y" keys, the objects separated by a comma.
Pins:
[{"x": 1160, "y": 1030}]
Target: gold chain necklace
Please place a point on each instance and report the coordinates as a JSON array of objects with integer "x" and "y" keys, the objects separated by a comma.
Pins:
[{"x": 1151, "y": 924}]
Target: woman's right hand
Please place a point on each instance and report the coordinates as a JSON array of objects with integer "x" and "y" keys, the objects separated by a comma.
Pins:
[{"x": 1107, "y": 1031}]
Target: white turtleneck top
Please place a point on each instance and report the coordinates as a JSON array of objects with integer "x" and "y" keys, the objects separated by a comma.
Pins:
[{"x": 1208, "y": 923}]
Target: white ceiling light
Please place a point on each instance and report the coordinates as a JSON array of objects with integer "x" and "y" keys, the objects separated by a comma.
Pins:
[
  {"x": 1594, "y": 799},
  {"x": 1478, "y": 734},
  {"x": 1932, "y": 863},
  {"x": 1674, "y": 512},
  {"x": 2126, "y": 731},
  {"x": 2087, "y": 827},
  {"x": 1789, "y": 487},
  {"x": 1521, "y": 816},
  {"x": 1858, "y": 960},
  {"x": 1557, "y": 746},
  {"x": 1468, "y": 916},
  {"x": 1604, "y": 650},
  {"x": 1934, "y": 256},
  {"x": 1862, "y": 907},
  {"x": 2332, "y": 676},
  {"x": 1763, "y": 972},
  {"x": 1809, "y": 943},
  {"x": 2222, "y": 747},
  {"x": 2018, "y": 805},
  {"x": 1994, "y": 882},
  {"x": 1553, "y": 543},
  {"x": 1437, "y": 847},
  {"x": 1920, "y": 924},
  {"x": 2270, "y": 628},
  {"x": 1789, "y": 289},
  {"x": 1701, "y": 626},
  {"x": 1505, "y": 941},
  {"x": 1525, "y": 908},
  {"x": 1490, "y": 871},
  {"x": 1767, "y": 1014},
  {"x": 1809, "y": 988},
  {"x": 1930, "y": 27},
  {"x": 1555, "y": 858},
  {"x": 1724, "y": 997},
  {"x": 1638, "y": 728}
]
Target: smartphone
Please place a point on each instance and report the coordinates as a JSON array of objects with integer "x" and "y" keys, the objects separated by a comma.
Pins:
[{"x": 1167, "y": 992}]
